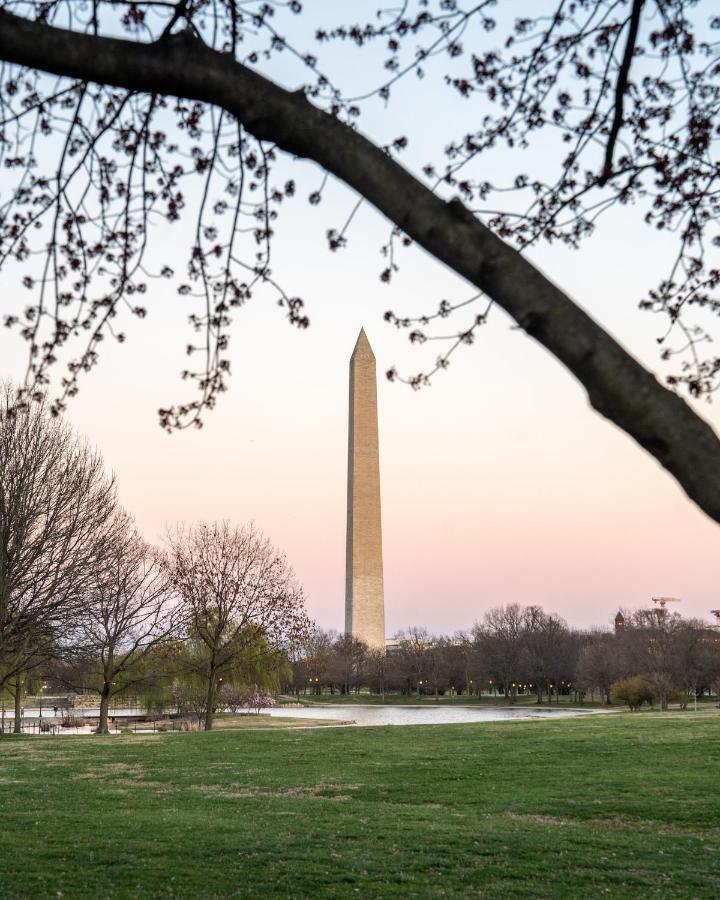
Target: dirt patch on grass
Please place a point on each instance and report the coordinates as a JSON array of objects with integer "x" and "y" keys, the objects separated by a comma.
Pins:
[
  {"x": 322, "y": 791},
  {"x": 541, "y": 820},
  {"x": 106, "y": 771},
  {"x": 21, "y": 750},
  {"x": 116, "y": 777},
  {"x": 619, "y": 822},
  {"x": 160, "y": 787}
]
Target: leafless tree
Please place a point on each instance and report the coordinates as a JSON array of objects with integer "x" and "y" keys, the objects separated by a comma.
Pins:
[
  {"x": 238, "y": 597},
  {"x": 467, "y": 663},
  {"x": 56, "y": 514},
  {"x": 129, "y": 610},
  {"x": 379, "y": 669},
  {"x": 599, "y": 665},
  {"x": 312, "y": 661},
  {"x": 550, "y": 658},
  {"x": 626, "y": 89},
  {"x": 411, "y": 653},
  {"x": 348, "y": 663},
  {"x": 502, "y": 636},
  {"x": 675, "y": 655}
]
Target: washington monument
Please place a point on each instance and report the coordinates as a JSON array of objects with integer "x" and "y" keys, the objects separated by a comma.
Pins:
[{"x": 364, "y": 599}]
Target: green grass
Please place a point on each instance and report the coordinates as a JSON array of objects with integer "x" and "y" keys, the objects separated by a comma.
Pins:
[{"x": 623, "y": 806}]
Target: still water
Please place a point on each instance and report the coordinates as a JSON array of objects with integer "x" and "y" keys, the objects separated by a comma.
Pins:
[{"x": 421, "y": 715}]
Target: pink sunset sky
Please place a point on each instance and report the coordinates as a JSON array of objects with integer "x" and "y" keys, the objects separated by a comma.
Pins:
[{"x": 499, "y": 483}]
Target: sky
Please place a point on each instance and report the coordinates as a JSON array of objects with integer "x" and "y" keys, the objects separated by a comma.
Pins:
[{"x": 499, "y": 483}]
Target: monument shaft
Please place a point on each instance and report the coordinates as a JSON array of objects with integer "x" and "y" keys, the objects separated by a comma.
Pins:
[{"x": 364, "y": 597}]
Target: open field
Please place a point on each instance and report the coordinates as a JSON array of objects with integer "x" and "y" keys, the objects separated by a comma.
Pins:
[{"x": 623, "y": 805}]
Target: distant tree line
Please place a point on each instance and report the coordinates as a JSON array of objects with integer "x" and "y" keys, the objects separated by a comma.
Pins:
[
  {"x": 214, "y": 618},
  {"x": 87, "y": 605},
  {"x": 524, "y": 652}
]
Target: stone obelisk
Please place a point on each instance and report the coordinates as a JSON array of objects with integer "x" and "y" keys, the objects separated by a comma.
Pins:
[{"x": 364, "y": 599}]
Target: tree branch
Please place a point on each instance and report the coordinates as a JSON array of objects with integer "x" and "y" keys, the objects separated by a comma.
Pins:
[
  {"x": 620, "y": 88},
  {"x": 180, "y": 65}
]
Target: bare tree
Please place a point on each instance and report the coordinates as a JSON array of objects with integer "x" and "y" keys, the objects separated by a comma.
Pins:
[
  {"x": 503, "y": 639},
  {"x": 667, "y": 650},
  {"x": 411, "y": 655},
  {"x": 467, "y": 667},
  {"x": 549, "y": 652},
  {"x": 313, "y": 658},
  {"x": 56, "y": 514},
  {"x": 129, "y": 610},
  {"x": 239, "y": 598},
  {"x": 626, "y": 87},
  {"x": 348, "y": 663},
  {"x": 378, "y": 668},
  {"x": 600, "y": 665}
]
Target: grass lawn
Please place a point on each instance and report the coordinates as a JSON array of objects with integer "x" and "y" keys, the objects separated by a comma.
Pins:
[{"x": 623, "y": 805}]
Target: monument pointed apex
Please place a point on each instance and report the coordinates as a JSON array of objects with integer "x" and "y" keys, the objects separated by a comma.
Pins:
[{"x": 362, "y": 346}]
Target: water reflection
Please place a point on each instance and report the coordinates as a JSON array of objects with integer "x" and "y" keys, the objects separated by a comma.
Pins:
[{"x": 421, "y": 715}]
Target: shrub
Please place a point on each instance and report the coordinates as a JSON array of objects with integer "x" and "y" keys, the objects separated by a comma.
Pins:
[
  {"x": 72, "y": 721},
  {"x": 634, "y": 691}
]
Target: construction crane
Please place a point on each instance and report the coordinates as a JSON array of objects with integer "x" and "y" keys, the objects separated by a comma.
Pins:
[{"x": 662, "y": 603}]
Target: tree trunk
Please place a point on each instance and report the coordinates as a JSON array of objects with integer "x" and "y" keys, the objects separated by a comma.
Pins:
[
  {"x": 210, "y": 702},
  {"x": 17, "y": 726},
  {"x": 104, "y": 706}
]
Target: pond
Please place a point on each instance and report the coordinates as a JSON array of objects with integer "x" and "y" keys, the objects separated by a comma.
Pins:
[{"x": 422, "y": 715}]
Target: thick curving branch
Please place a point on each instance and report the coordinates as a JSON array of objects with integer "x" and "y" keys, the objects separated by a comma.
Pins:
[{"x": 181, "y": 65}]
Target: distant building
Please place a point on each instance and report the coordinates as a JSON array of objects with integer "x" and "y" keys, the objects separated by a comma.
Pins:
[{"x": 619, "y": 622}]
